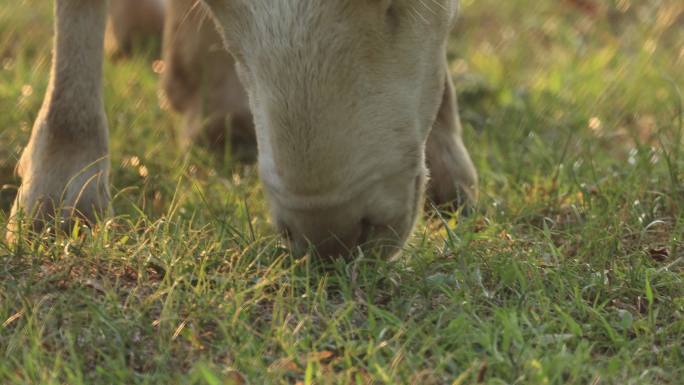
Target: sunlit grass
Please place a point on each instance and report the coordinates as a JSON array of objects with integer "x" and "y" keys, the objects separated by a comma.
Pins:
[{"x": 571, "y": 271}]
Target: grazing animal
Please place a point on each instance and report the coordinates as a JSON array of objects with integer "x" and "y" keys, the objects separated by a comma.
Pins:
[{"x": 351, "y": 102}]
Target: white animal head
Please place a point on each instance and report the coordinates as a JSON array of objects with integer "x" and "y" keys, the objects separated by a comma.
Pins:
[{"x": 344, "y": 94}]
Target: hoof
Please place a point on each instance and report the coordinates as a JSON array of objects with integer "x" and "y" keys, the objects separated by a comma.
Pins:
[{"x": 60, "y": 182}]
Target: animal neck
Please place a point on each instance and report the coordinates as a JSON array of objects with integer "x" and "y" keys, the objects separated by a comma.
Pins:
[{"x": 75, "y": 88}]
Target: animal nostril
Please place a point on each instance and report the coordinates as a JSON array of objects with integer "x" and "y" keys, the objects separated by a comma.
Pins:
[
  {"x": 328, "y": 241},
  {"x": 366, "y": 229}
]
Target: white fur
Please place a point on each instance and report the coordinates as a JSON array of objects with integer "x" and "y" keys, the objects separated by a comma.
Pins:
[{"x": 344, "y": 96}]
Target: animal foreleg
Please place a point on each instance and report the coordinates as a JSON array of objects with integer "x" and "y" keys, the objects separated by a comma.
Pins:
[
  {"x": 65, "y": 166},
  {"x": 453, "y": 178}
]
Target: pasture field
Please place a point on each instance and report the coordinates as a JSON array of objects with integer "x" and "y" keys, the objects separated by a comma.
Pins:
[{"x": 570, "y": 271}]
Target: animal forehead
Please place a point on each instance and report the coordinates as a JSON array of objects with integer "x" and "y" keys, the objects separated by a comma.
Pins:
[
  {"x": 271, "y": 27},
  {"x": 293, "y": 13},
  {"x": 309, "y": 10}
]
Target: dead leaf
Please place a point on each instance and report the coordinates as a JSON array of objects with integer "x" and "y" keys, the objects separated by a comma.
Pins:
[
  {"x": 289, "y": 365},
  {"x": 659, "y": 255},
  {"x": 482, "y": 373},
  {"x": 233, "y": 377},
  {"x": 13, "y": 318},
  {"x": 587, "y": 6},
  {"x": 93, "y": 284}
]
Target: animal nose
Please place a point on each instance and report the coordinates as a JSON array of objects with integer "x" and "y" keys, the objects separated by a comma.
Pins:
[
  {"x": 377, "y": 221},
  {"x": 325, "y": 234}
]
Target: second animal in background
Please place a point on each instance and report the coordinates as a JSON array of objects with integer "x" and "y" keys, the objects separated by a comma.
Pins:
[{"x": 198, "y": 80}]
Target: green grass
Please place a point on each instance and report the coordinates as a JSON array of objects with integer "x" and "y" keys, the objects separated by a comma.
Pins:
[{"x": 570, "y": 272}]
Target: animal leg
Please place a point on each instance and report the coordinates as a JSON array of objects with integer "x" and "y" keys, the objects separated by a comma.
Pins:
[
  {"x": 453, "y": 178},
  {"x": 65, "y": 166}
]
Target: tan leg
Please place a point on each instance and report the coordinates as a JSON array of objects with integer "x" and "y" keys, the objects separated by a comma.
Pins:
[
  {"x": 453, "y": 178},
  {"x": 131, "y": 21},
  {"x": 65, "y": 166},
  {"x": 200, "y": 83}
]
